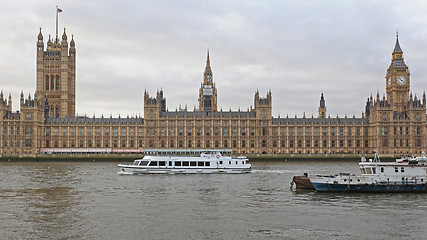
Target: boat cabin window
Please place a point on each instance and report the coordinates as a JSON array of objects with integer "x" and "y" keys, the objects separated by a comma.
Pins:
[
  {"x": 368, "y": 171},
  {"x": 229, "y": 162},
  {"x": 143, "y": 163},
  {"x": 201, "y": 164},
  {"x": 363, "y": 170},
  {"x": 382, "y": 169},
  {"x": 170, "y": 163},
  {"x": 237, "y": 162},
  {"x": 162, "y": 163},
  {"x": 185, "y": 163},
  {"x": 193, "y": 164},
  {"x": 153, "y": 163},
  {"x": 136, "y": 163},
  {"x": 402, "y": 169},
  {"x": 207, "y": 164},
  {"x": 220, "y": 162},
  {"x": 374, "y": 170},
  {"x": 396, "y": 169},
  {"x": 178, "y": 164}
]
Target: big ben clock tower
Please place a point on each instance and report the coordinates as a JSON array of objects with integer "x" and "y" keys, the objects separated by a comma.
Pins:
[{"x": 397, "y": 80}]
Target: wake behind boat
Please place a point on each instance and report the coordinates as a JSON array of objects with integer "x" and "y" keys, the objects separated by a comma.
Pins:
[
  {"x": 404, "y": 175},
  {"x": 207, "y": 162}
]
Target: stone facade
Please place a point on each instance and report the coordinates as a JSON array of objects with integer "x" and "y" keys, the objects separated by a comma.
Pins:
[{"x": 391, "y": 124}]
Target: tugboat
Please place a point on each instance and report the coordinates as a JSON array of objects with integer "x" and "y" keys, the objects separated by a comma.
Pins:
[
  {"x": 408, "y": 174},
  {"x": 208, "y": 162}
]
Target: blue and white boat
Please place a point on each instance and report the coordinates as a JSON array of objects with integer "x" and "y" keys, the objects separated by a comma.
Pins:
[{"x": 408, "y": 174}]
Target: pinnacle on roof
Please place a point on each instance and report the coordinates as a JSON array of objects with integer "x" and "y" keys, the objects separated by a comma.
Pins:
[
  {"x": 397, "y": 48},
  {"x": 208, "y": 63}
]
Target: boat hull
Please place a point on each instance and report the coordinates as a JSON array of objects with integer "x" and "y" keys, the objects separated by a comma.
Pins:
[
  {"x": 303, "y": 182},
  {"x": 128, "y": 169},
  {"x": 390, "y": 188}
]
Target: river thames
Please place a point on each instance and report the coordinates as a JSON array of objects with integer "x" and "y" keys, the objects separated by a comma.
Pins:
[{"x": 89, "y": 200}]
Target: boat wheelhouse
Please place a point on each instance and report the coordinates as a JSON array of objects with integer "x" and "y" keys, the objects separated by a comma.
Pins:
[{"x": 207, "y": 162}]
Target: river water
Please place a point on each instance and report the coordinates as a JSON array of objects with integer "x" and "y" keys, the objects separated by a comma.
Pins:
[{"x": 89, "y": 200}]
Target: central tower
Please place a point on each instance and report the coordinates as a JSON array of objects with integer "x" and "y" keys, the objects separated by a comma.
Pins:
[
  {"x": 207, "y": 92},
  {"x": 397, "y": 80},
  {"x": 56, "y": 75}
]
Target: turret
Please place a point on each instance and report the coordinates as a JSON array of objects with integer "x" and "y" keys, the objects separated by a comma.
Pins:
[{"x": 322, "y": 107}]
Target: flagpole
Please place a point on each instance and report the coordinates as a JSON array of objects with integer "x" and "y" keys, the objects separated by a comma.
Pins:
[{"x": 56, "y": 20}]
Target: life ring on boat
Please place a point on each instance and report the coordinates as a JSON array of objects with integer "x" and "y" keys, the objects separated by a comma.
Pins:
[{"x": 217, "y": 156}]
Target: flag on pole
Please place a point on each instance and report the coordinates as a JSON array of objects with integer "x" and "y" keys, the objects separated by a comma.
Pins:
[{"x": 59, "y": 10}]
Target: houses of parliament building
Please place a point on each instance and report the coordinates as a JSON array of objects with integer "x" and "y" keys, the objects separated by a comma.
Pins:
[{"x": 391, "y": 124}]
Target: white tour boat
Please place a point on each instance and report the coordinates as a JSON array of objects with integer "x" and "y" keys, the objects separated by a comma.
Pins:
[
  {"x": 208, "y": 162},
  {"x": 403, "y": 175}
]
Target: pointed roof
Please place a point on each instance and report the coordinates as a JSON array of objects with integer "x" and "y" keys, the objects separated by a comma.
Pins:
[
  {"x": 397, "y": 48},
  {"x": 208, "y": 63},
  {"x": 322, "y": 101}
]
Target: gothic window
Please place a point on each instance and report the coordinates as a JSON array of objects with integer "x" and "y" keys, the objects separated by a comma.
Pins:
[
  {"x": 57, "y": 83},
  {"x": 291, "y": 131},
  {"x": 47, "y": 82},
  {"x": 52, "y": 83},
  {"x": 384, "y": 131}
]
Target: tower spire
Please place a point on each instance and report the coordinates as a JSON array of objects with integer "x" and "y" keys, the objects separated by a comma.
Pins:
[
  {"x": 397, "y": 48},
  {"x": 208, "y": 62}
]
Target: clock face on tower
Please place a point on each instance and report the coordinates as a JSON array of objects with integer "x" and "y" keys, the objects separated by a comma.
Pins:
[
  {"x": 389, "y": 81},
  {"x": 401, "y": 80}
]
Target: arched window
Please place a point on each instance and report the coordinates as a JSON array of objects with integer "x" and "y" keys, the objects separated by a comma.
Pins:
[
  {"x": 57, "y": 82},
  {"x": 57, "y": 111},
  {"x": 47, "y": 82},
  {"x": 52, "y": 82}
]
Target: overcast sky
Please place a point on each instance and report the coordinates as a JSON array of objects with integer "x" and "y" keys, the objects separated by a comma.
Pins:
[{"x": 298, "y": 49}]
